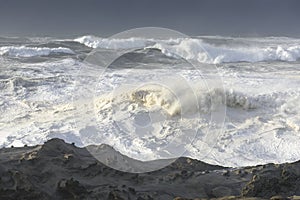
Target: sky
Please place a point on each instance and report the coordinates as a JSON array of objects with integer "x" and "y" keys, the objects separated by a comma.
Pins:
[{"x": 192, "y": 17}]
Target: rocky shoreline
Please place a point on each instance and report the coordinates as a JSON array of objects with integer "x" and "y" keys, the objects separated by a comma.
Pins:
[{"x": 57, "y": 170}]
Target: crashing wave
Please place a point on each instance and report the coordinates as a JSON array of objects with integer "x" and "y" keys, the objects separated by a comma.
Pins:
[
  {"x": 191, "y": 48},
  {"x": 180, "y": 102},
  {"x": 23, "y": 51},
  {"x": 207, "y": 53}
]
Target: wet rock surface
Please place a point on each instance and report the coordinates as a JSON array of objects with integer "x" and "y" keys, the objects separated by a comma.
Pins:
[{"x": 57, "y": 170}]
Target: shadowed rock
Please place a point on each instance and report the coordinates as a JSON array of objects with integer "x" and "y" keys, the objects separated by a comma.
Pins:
[{"x": 57, "y": 170}]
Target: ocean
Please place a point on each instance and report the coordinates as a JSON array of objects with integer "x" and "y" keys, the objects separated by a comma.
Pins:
[{"x": 230, "y": 101}]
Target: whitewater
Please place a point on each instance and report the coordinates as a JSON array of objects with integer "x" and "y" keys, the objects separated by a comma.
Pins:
[{"x": 150, "y": 100}]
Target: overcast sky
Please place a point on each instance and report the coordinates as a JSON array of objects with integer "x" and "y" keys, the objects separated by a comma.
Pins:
[{"x": 192, "y": 17}]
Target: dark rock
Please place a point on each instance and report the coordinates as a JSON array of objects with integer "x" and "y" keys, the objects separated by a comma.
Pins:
[
  {"x": 71, "y": 189},
  {"x": 274, "y": 180},
  {"x": 221, "y": 191},
  {"x": 114, "y": 195},
  {"x": 46, "y": 171}
]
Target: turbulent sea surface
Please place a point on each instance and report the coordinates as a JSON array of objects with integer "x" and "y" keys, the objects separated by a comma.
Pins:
[{"x": 49, "y": 89}]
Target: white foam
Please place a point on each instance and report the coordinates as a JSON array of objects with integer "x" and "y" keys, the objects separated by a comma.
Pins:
[
  {"x": 23, "y": 51},
  {"x": 261, "y": 126},
  {"x": 262, "y": 118}
]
